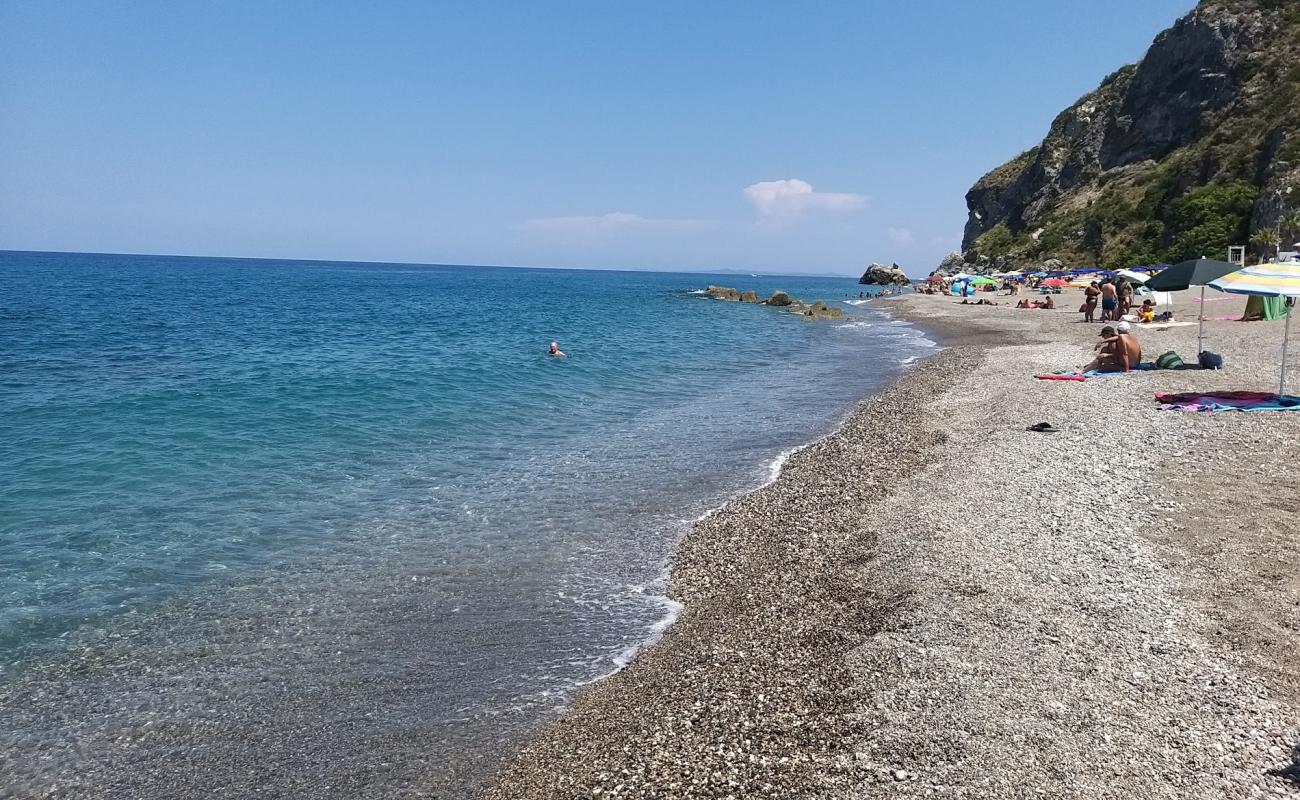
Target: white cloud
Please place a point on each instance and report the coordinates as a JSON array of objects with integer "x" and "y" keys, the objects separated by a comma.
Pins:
[
  {"x": 901, "y": 237},
  {"x": 603, "y": 227},
  {"x": 789, "y": 199}
]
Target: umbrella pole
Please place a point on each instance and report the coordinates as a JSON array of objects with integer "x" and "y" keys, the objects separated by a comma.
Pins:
[
  {"x": 1200, "y": 326},
  {"x": 1285, "y": 336}
]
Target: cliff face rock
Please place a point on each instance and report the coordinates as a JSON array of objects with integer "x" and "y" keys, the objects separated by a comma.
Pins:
[
  {"x": 1190, "y": 150},
  {"x": 879, "y": 274}
]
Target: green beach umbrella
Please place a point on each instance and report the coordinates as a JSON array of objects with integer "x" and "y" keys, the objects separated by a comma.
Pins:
[
  {"x": 983, "y": 281},
  {"x": 1197, "y": 272}
]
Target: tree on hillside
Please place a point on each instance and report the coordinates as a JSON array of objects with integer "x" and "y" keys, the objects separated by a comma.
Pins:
[
  {"x": 1268, "y": 241},
  {"x": 1290, "y": 224}
]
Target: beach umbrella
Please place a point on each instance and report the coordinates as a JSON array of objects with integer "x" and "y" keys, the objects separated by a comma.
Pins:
[
  {"x": 1134, "y": 277},
  {"x": 1267, "y": 280},
  {"x": 934, "y": 279},
  {"x": 1197, "y": 272},
  {"x": 982, "y": 281},
  {"x": 1054, "y": 283}
]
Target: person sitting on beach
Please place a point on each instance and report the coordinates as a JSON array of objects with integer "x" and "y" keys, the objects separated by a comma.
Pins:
[
  {"x": 1024, "y": 303},
  {"x": 1147, "y": 313},
  {"x": 1118, "y": 351},
  {"x": 1046, "y": 303},
  {"x": 555, "y": 350}
]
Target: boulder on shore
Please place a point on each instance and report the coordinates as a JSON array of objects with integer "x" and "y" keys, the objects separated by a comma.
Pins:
[
  {"x": 783, "y": 300},
  {"x": 881, "y": 275},
  {"x": 819, "y": 310},
  {"x": 721, "y": 292}
]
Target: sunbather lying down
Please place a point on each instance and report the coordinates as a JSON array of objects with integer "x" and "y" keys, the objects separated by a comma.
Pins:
[
  {"x": 983, "y": 301},
  {"x": 1118, "y": 351},
  {"x": 1047, "y": 303}
]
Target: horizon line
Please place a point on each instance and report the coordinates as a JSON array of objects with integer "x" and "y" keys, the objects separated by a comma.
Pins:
[{"x": 701, "y": 271}]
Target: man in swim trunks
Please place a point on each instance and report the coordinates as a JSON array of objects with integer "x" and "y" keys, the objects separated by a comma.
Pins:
[
  {"x": 1109, "y": 302},
  {"x": 555, "y": 350}
]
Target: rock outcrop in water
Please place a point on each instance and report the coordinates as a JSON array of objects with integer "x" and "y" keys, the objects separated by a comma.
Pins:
[
  {"x": 815, "y": 310},
  {"x": 881, "y": 275},
  {"x": 1192, "y": 149}
]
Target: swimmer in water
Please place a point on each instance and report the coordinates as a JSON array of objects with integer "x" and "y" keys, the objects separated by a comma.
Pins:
[{"x": 555, "y": 350}]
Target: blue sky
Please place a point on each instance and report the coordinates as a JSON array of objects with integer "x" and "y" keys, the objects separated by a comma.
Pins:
[{"x": 808, "y": 137}]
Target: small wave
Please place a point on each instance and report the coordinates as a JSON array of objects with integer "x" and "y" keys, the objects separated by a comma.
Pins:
[
  {"x": 856, "y": 302},
  {"x": 858, "y": 323},
  {"x": 697, "y": 291},
  {"x": 672, "y": 609},
  {"x": 778, "y": 463}
]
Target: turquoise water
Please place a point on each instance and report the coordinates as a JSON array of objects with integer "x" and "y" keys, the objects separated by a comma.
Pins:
[{"x": 343, "y": 515}]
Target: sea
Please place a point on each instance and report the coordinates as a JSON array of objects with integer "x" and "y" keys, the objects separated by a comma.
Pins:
[{"x": 323, "y": 529}]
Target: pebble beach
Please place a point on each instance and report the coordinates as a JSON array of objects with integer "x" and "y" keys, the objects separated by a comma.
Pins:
[{"x": 935, "y": 602}]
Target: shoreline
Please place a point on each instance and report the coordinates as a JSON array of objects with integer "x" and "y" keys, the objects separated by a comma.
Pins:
[
  {"x": 775, "y": 470},
  {"x": 707, "y": 606},
  {"x": 887, "y": 617}
]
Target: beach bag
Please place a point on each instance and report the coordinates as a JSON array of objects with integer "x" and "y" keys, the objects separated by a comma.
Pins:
[
  {"x": 1169, "y": 360},
  {"x": 1210, "y": 360}
]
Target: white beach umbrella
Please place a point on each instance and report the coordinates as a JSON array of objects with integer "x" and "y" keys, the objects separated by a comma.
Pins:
[{"x": 1134, "y": 277}]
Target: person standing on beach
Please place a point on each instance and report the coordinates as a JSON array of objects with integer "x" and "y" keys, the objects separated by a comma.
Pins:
[
  {"x": 1090, "y": 296},
  {"x": 1109, "y": 302},
  {"x": 1125, "y": 291}
]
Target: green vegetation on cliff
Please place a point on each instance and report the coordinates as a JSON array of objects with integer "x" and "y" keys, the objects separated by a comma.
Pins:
[{"x": 1194, "y": 149}]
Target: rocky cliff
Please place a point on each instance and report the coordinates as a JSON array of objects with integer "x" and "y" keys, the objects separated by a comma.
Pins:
[{"x": 1194, "y": 148}]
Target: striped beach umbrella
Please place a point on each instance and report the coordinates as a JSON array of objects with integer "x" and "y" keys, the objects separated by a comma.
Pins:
[{"x": 1266, "y": 280}]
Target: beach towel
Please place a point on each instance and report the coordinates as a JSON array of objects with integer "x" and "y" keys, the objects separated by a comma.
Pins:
[
  {"x": 1061, "y": 376},
  {"x": 1264, "y": 308},
  {"x": 1163, "y": 325},
  {"x": 1071, "y": 375},
  {"x": 1228, "y": 401}
]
